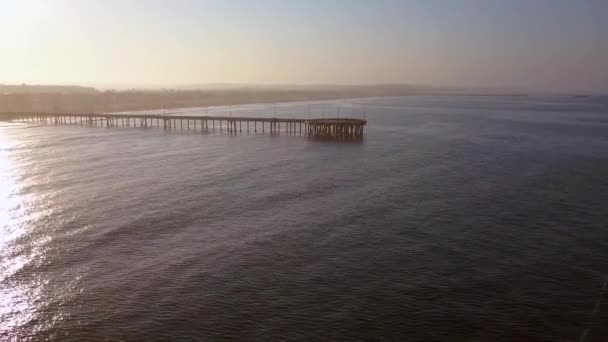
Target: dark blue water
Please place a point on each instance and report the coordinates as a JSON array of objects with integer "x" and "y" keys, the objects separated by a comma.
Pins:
[{"x": 456, "y": 219}]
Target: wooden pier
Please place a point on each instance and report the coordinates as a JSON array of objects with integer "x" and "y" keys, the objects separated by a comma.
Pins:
[{"x": 332, "y": 128}]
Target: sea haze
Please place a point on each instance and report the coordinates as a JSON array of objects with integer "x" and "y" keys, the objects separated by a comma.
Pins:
[{"x": 456, "y": 218}]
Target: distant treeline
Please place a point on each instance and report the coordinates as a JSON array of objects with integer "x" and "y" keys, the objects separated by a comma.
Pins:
[{"x": 26, "y": 98}]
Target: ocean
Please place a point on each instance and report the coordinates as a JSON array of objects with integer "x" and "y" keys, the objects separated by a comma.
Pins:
[{"x": 456, "y": 218}]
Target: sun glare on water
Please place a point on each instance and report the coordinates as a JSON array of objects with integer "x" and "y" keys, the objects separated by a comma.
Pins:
[{"x": 17, "y": 298}]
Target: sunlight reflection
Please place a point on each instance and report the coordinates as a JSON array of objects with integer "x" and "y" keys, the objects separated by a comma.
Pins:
[{"x": 17, "y": 297}]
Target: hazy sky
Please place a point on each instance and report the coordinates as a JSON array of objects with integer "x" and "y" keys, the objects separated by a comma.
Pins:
[{"x": 534, "y": 44}]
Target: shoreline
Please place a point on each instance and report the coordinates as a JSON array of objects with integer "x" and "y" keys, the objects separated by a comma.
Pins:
[
  {"x": 34, "y": 105},
  {"x": 223, "y": 104}
]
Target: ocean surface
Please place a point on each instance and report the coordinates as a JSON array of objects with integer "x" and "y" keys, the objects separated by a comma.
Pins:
[{"x": 455, "y": 219}]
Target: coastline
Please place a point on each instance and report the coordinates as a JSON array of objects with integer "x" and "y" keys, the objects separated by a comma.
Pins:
[{"x": 73, "y": 99}]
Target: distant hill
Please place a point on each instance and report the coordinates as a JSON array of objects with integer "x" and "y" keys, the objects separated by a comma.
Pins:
[{"x": 45, "y": 89}]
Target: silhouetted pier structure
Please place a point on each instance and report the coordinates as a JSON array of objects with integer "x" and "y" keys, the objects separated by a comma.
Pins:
[{"x": 331, "y": 128}]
